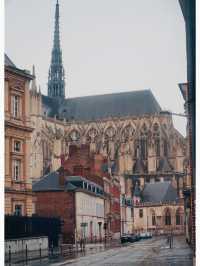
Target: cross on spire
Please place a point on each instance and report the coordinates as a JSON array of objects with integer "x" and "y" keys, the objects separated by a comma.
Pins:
[{"x": 56, "y": 79}]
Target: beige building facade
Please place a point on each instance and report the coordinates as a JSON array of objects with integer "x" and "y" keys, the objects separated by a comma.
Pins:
[
  {"x": 152, "y": 218},
  {"x": 89, "y": 212},
  {"x": 18, "y": 187}
]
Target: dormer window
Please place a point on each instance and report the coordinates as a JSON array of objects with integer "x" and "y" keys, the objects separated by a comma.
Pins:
[{"x": 84, "y": 185}]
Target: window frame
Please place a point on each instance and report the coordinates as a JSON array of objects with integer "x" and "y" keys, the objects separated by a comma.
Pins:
[
  {"x": 16, "y": 177},
  {"x": 20, "y": 213},
  {"x": 14, "y": 146},
  {"x": 16, "y": 105}
]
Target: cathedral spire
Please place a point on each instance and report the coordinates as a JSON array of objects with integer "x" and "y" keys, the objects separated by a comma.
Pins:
[{"x": 56, "y": 80}]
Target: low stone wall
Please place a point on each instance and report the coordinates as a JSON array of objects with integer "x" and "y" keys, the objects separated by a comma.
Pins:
[{"x": 33, "y": 244}]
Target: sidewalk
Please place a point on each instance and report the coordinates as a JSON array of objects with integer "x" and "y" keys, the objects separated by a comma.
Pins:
[{"x": 56, "y": 256}]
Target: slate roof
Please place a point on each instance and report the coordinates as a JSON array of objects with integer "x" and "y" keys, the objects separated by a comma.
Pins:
[
  {"x": 7, "y": 61},
  {"x": 159, "y": 192},
  {"x": 50, "y": 182},
  {"x": 134, "y": 103}
]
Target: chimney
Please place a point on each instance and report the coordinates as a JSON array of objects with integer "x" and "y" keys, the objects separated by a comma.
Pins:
[{"x": 98, "y": 162}]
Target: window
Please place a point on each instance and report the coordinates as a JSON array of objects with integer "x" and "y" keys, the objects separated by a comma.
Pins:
[
  {"x": 153, "y": 218},
  {"x": 157, "y": 144},
  {"x": 18, "y": 210},
  {"x": 15, "y": 105},
  {"x": 167, "y": 217},
  {"x": 165, "y": 148},
  {"x": 143, "y": 144},
  {"x": 16, "y": 169},
  {"x": 141, "y": 213},
  {"x": 17, "y": 146},
  {"x": 147, "y": 179},
  {"x": 178, "y": 217},
  {"x": 131, "y": 212},
  {"x": 84, "y": 185}
]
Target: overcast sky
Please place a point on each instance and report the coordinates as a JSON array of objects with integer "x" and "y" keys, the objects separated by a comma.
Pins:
[{"x": 108, "y": 46}]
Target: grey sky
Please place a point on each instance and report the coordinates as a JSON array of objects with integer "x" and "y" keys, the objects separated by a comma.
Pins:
[{"x": 108, "y": 45}]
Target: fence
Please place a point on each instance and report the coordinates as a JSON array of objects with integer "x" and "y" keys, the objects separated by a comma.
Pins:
[{"x": 23, "y": 226}]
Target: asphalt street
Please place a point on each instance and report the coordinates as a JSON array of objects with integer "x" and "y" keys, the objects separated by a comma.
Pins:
[{"x": 150, "y": 252}]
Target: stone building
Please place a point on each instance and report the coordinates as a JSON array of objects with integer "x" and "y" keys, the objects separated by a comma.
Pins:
[
  {"x": 158, "y": 209},
  {"x": 129, "y": 129},
  {"x": 18, "y": 129}
]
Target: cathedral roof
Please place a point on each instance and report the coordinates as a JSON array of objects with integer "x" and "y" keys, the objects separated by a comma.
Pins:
[
  {"x": 159, "y": 192},
  {"x": 134, "y": 103}
]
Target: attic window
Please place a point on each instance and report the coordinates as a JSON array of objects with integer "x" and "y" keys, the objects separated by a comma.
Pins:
[{"x": 84, "y": 185}]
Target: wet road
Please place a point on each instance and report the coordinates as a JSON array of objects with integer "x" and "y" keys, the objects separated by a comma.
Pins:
[{"x": 152, "y": 252}]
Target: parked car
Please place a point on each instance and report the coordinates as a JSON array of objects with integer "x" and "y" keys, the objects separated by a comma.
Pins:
[
  {"x": 130, "y": 238},
  {"x": 145, "y": 235},
  {"x": 124, "y": 239}
]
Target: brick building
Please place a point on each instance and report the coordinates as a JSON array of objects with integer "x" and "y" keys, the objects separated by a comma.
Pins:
[
  {"x": 97, "y": 169},
  {"x": 76, "y": 200}
]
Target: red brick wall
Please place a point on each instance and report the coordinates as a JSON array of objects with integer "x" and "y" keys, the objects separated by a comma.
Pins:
[
  {"x": 58, "y": 204},
  {"x": 115, "y": 208},
  {"x": 80, "y": 162}
]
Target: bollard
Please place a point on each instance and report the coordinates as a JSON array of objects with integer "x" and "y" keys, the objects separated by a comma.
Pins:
[
  {"x": 52, "y": 249},
  {"x": 9, "y": 254},
  {"x": 26, "y": 253},
  {"x": 40, "y": 251}
]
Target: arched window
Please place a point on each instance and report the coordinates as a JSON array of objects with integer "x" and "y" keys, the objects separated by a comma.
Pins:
[
  {"x": 143, "y": 142},
  {"x": 167, "y": 217},
  {"x": 178, "y": 217},
  {"x": 165, "y": 148},
  {"x": 153, "y": 217},
  {"x": 156, "y": 135},
  {"x": 143, "y": 145},
  {"x": 157, "y": 146}
]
